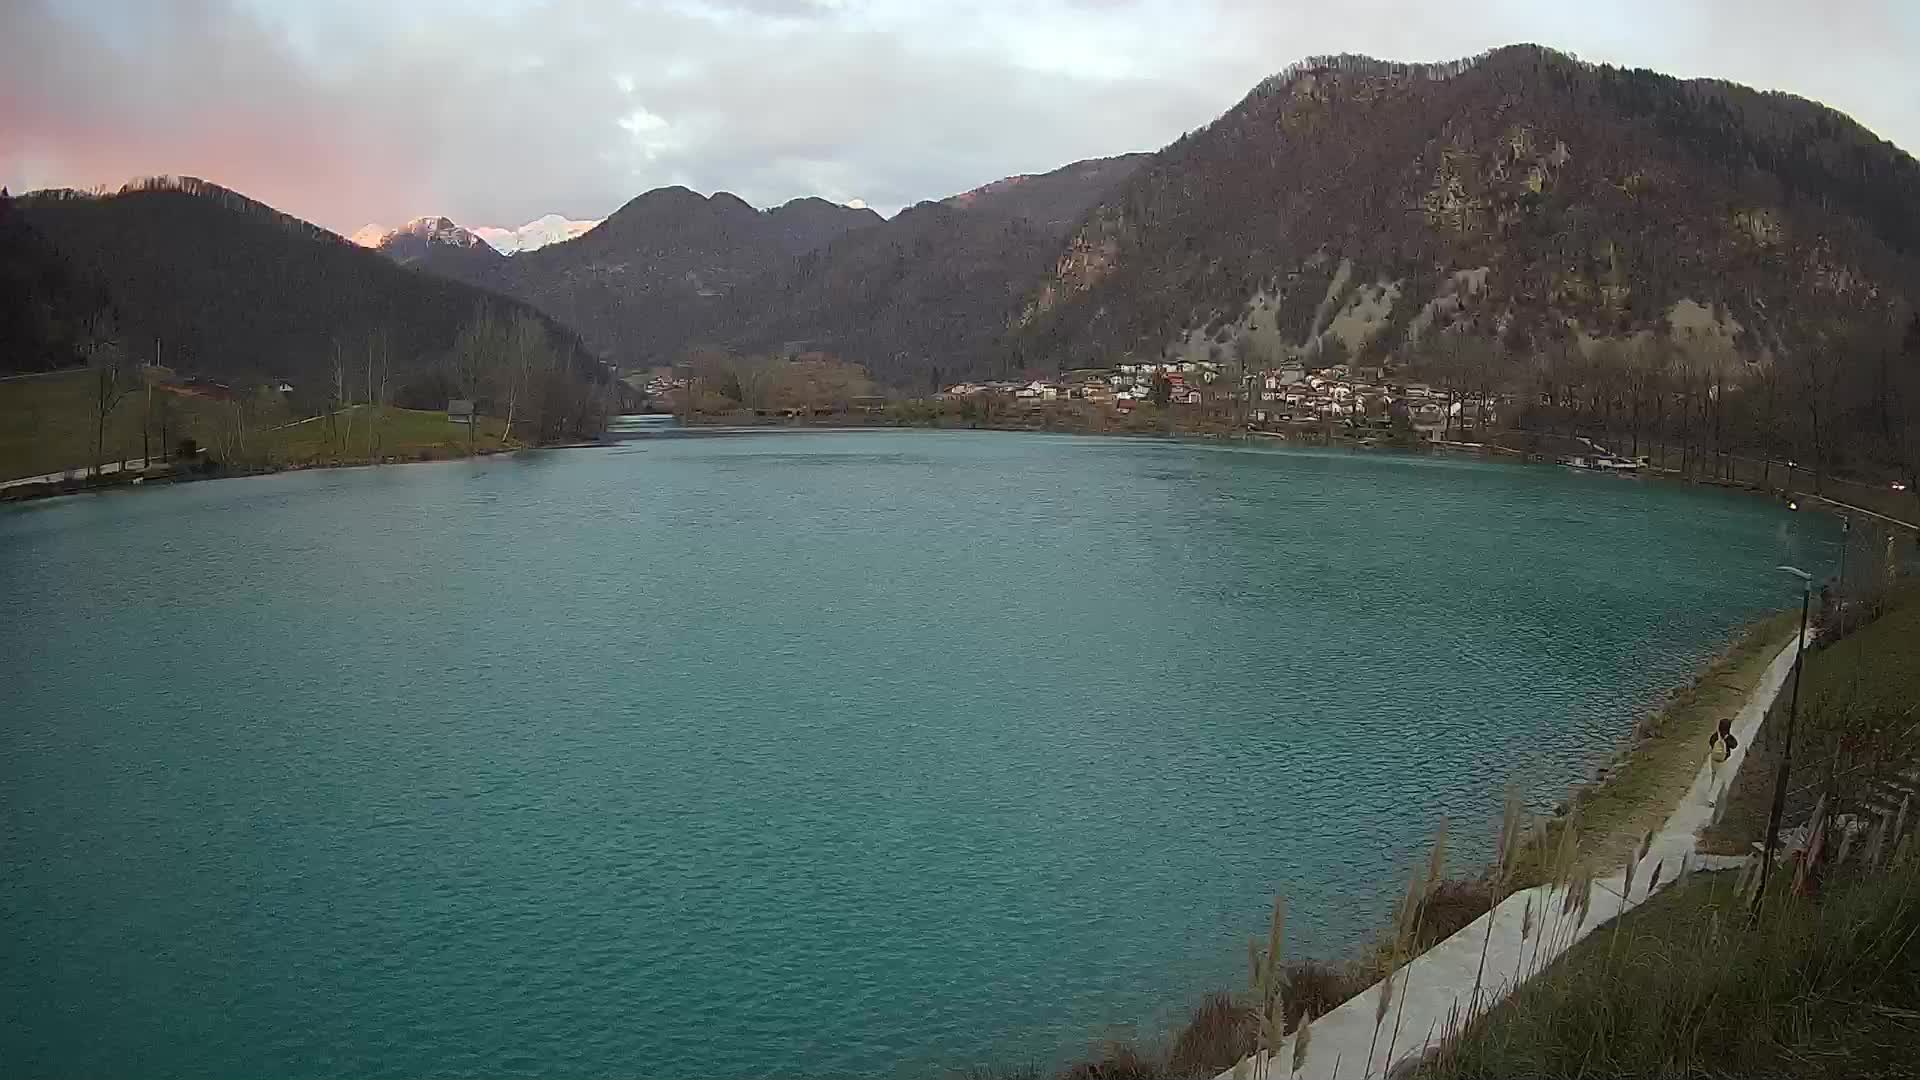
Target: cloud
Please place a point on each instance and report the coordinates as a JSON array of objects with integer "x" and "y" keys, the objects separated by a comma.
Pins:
[{"x": 495, "y": 113}]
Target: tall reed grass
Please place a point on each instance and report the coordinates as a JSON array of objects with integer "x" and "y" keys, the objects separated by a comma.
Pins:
[{"x": 1824, "y": 985}]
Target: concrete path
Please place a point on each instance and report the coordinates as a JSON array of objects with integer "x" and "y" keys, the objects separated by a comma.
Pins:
[
  {"x": 78, "y": 472},
  {"x": 1852, "y": 509},
  {"x": 1441, "y": 979}
]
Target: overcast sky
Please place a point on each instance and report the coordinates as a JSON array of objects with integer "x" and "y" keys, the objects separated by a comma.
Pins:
[{"x": 496, "y": 111}]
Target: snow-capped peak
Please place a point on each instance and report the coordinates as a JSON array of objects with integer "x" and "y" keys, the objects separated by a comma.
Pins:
[
  {"x": 538, "y": 233},
  {"x": 432, "y": 229},
  {"x": 437, "y": 229},
  {"x": 440, "y": 230}
]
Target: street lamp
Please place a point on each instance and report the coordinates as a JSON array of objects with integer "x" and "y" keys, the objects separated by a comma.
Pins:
[{"x": 1786, "y": 750}]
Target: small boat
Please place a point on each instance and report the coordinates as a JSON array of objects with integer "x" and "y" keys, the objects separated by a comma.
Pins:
[{"x": 1604, "y": 463}]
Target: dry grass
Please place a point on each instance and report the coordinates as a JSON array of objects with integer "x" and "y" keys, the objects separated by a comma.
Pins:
[
  {"x": 1822, "y": 986},
  {"x": 1450, "y": 907},
  {"x": 1216, "y": 1037},
  {"x": 1312, "y": 986}
]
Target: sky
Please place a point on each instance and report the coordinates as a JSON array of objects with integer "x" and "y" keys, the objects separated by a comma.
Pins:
[{"x": 493, "y": 112}]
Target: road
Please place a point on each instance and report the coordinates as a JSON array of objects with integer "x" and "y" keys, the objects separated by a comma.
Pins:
[{"x": 135, "y": 464}]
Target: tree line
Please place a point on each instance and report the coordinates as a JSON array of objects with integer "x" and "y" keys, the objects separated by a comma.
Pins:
[{"x": 1844, "y": 406}]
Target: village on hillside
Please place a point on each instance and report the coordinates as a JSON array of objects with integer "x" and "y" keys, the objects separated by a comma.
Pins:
[
  {"x": 1362, "y": 395},
  {"x": 1355, "y": 396}
]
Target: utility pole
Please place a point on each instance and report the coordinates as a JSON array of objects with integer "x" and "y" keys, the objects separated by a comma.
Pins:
[
  {"x": 146, "y": 423},
  {"x": 1786, "y": 749}
]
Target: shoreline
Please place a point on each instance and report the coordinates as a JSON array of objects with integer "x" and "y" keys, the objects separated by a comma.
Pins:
[
  {"x": 116, "y": 480},
  {"x": 1648, "y": 774},
  {"x": 1648, "y": 785},
  {"x": 1439, "y": 985},
  {"x": 1316, "y": 437}
]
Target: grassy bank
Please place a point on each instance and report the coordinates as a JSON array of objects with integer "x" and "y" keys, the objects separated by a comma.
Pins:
[
  {"x": 1823, "y": 985},
  {"x": 48, "y": 425},
  {"x": 1826, "y": 983},
  {"x": 1856, "y": 734},
  {"x": 1638, "y": 790}
]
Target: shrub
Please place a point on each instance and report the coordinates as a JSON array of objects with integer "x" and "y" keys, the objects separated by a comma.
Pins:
[
  {"x": 1216, "y": 1037},
  {"x": 1317, "y": 987}
]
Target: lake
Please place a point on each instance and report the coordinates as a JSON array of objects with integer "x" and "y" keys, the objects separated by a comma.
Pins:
[{"x": 870, "y": 754}]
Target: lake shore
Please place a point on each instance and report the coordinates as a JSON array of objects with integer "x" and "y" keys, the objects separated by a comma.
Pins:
[{"x": 1639, "y": 788}]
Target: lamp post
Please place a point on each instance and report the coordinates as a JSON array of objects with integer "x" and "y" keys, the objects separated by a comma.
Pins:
[
  {"x": 1840, "y": 586},
  {"x": 1786, "y": 749}
]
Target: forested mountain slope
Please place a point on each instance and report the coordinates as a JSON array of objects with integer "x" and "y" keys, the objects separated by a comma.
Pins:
[
  {"x": 650, "y": 279},
  {"x": 43, "y": 304},
  {"x": 1519, "y": 197},
  {"x": 926, "y": 296},
  {"x": 232, "y": 287}
]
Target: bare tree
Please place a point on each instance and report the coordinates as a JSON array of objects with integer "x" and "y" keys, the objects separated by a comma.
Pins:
[
  {"x": 1767, "y": 383},
  {"x": 343, "y": 399},
  {"x": 379, "y": 364},
  {"x": 100, "y": 344},
  {"x": 527, "y": 358}
]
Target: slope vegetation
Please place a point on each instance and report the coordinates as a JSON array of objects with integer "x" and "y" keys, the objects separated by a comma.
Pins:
[
  {"x": 231, "y": 287},
  {"x": 1520, "y": 197}
]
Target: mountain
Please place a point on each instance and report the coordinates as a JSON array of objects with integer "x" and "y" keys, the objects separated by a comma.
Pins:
[
  {"x": 439, "y": 245},
  {"x": 235, "y": 288},
  {"x": 538, "y": 233},
  {"x": 644, "y": 284},
  {"x": 410, "y": 242},
  {"x": 1521, "y": 199},
  {"x": 1055, "y": 200},
  {"x": 43, "y": 303},
  {"x": 928, "y": 294}
]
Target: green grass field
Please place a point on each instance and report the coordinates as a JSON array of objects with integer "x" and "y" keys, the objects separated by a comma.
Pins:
[{"x": 47, "y": 424}]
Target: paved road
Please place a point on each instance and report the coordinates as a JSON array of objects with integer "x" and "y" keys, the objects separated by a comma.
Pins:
[{"x": 53, "y": 477}]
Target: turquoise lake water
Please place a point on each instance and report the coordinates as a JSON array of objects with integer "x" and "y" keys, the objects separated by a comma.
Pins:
[{"x": 868, "y": 754}]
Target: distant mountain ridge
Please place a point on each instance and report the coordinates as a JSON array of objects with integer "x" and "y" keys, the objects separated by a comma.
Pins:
[
  {"x": 538, "y": 233},
  {"x": 673, "y": 269},
  {"x": 235, "y": 288},
  {"x": 412, "y": 238},
  {"x": 928, "y": 295},
  {"x": 1346, "y": 207},
  {"x": 641, "y": 286},
  {"x": 409, "y": 239}
]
